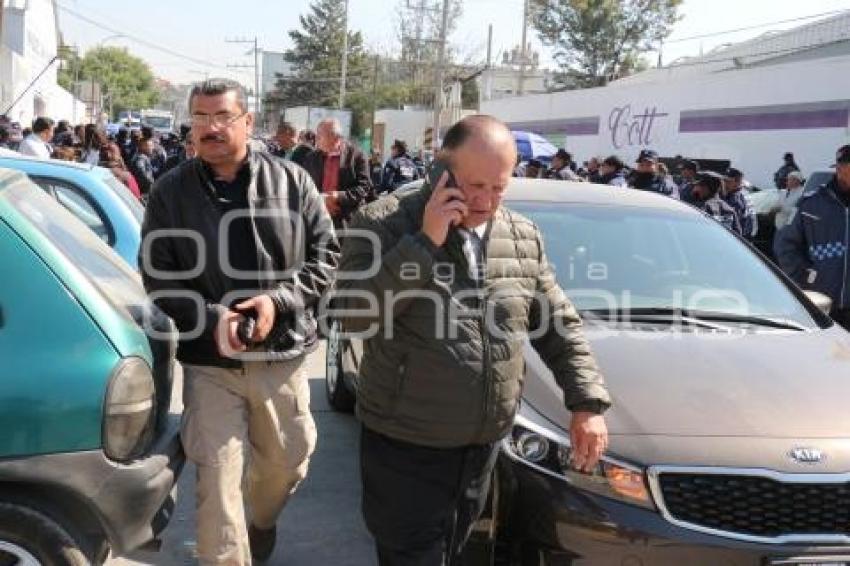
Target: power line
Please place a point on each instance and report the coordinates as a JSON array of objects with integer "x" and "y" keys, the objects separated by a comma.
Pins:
[
  {"x": 748, "y": 28},
  {"x": 138, "y": 40}
]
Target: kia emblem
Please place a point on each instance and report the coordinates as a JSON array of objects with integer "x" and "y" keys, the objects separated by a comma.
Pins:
[{"x": 807, "y": 455}]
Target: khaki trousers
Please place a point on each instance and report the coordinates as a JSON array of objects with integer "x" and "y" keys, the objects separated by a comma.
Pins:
[{"x": 263, "y": 410}]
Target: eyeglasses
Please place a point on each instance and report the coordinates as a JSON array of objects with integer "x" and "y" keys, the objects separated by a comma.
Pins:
[{"x": 222, "y": 119}]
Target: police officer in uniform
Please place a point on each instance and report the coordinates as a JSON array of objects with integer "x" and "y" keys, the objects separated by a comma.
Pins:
[
  {"x": 813, "y": 249},
  {"x": 689, "y": 171},
  {"x": 734, "y": 197},
  {"x": 705, "y": 189},
  {"x": 646, "y": 176},
  {"x": 400, "y": 168}
]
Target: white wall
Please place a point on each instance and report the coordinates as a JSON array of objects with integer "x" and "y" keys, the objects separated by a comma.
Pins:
[
  {"x": 30, "y": 42},
  {"x": 406, "y": 125},
  {"x": 757, "y": 152}
]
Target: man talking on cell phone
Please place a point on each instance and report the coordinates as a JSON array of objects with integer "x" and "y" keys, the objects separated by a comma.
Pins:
[{"x": 460, "y": 283}]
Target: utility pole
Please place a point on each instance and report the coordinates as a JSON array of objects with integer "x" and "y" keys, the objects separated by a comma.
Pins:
[
  {"x": 487, "y": 84},
  {"x": 256, "y": 67},
  {"x": 438, "y": 91},
  {"x": 523, "y": 53},
  {"x": 374, "y": 98},
  {"x": 344, "y": 58},
  {"x": 258, "y": 96}
]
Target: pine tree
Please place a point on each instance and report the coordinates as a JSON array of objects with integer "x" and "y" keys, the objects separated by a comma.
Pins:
[{"x": 317, "y": 58}]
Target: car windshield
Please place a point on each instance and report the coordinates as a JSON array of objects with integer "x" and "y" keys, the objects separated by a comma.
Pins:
[
  {"x": 96, "y": 260},
  {"x": 639, "y": 260},
  {"x": 158, "y": 121},
  {"x": 128, "y": 197}
]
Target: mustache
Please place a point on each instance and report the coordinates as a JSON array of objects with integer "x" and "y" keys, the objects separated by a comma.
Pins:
[{"x": 212, "y": 137}]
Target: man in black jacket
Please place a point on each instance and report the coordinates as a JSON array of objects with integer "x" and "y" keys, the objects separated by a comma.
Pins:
[
  {"x": 230, "y": 236},
  {"x": 340, "y": 171}
]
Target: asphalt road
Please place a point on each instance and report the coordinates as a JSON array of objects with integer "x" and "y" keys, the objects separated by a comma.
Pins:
[{"x": 322, "y": 523}]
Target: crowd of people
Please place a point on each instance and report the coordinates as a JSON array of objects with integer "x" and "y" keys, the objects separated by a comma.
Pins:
[
  {"x": 348, "y": 179},
  {"x": 137, "y": 157}
]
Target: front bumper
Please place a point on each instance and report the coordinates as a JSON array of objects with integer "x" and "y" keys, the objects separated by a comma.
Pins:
[
  {"x": 593, "y": 530},
  {"x": 132, "y": 502}
]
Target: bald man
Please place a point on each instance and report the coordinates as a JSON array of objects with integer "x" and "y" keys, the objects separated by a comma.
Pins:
[{"x": 440, "y": 377}]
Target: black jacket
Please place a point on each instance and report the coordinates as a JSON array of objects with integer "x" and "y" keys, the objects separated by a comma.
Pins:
[
  {"x": 297, "y": 253},
  {"x": 814, "y": 249},
  {"x": 398, "y": 171},
  {"x": 354, "y": 181},
  {"x": 141, "y": 166},
  {"x": 300, "y": 153}
]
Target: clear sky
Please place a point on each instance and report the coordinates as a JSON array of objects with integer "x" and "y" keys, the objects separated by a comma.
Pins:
[{"x": 197, "y": 29}]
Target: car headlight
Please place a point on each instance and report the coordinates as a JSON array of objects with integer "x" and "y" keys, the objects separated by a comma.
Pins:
[
  {"x": 549, "y": 453},
  {"x": 129, "y": 411}
]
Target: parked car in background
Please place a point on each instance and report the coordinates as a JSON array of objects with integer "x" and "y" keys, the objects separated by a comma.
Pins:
[
  {"x": 93, "y": 195},
  {"x": 715, "y": 361},
  {"x": 89, "y": 452}
]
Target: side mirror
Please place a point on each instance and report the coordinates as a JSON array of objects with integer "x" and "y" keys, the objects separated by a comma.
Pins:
[{"x": 821, "y": 301}]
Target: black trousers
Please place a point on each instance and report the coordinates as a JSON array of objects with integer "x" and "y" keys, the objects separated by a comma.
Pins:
[{"x": 420, "y": 503}]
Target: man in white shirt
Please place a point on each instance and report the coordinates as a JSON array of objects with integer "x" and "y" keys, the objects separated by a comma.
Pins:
[
  {"x": 36, "y": 144},
  {"x": 788, "y": 204}
]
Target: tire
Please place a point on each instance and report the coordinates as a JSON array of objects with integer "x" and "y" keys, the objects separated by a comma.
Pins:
[
  {"x": 30, "y": 538},
  {"x": 341, "y": 399}
]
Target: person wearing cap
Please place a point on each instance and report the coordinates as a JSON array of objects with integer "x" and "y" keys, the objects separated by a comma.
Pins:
[
  {"x": 560, "y": 168},
  {"x": 533, "y": 169},
  {"x": 734, "y": 197},
  {"x": 688, "y": 170},
  {"x": 594, "y": 175},
  {"x": 781, "y": 175},
  {"x": 647, "y": 177},
  {"x": 814, "y": 249},
  {"x": 612, "y": 172},
  {"x": 399, "y": 169},
  {"x": 705, "y": 192},
  {"x": 789, "y": 199}
]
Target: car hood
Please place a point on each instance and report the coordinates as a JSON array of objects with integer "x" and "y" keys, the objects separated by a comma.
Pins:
[{"x": 779, "y": 384}]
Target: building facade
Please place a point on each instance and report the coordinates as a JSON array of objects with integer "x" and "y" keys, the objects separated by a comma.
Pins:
[{"x": 29, "y": 65}]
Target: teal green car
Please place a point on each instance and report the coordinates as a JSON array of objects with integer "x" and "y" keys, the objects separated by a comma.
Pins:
[{"x": 89, "y": 452}]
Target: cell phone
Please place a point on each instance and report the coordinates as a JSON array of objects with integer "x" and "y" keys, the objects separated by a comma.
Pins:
[
  {"x": 438, "y": 167},
  {"x": 245, "y": 329}
]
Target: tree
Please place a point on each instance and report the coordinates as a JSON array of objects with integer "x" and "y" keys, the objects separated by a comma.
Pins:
[
  {"x": 127, "y": 79},
  {"x": 597, "y": 41},
  {"x": 317, "y": 59},
  {"x": 418, "y": 25}
]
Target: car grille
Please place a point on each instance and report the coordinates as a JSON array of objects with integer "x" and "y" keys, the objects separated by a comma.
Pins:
[{"x": 757, "y": 506}]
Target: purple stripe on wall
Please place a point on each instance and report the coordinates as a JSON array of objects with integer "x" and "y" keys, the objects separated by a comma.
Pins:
[{"x": 834, "y": 118}]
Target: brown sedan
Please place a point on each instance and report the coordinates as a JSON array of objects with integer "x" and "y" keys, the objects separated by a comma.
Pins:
[{"x": 730, "y": 441}]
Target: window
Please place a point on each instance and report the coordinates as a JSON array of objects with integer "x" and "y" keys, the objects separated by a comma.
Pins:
[
  {"x": 626, "y": 257},
  {"x": 78, "y": 204}
]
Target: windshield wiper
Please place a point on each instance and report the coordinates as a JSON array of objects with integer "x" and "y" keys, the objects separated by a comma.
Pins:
[
  {"x": 697, "y": 317},
  {"x": 644, "y": 315},
  {"x": 754, "y": 320}
]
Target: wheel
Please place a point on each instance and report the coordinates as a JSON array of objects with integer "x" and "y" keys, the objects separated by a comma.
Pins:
[
  {"x": 29, "y": 538},
  {"x": 339, "y": 396}
]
